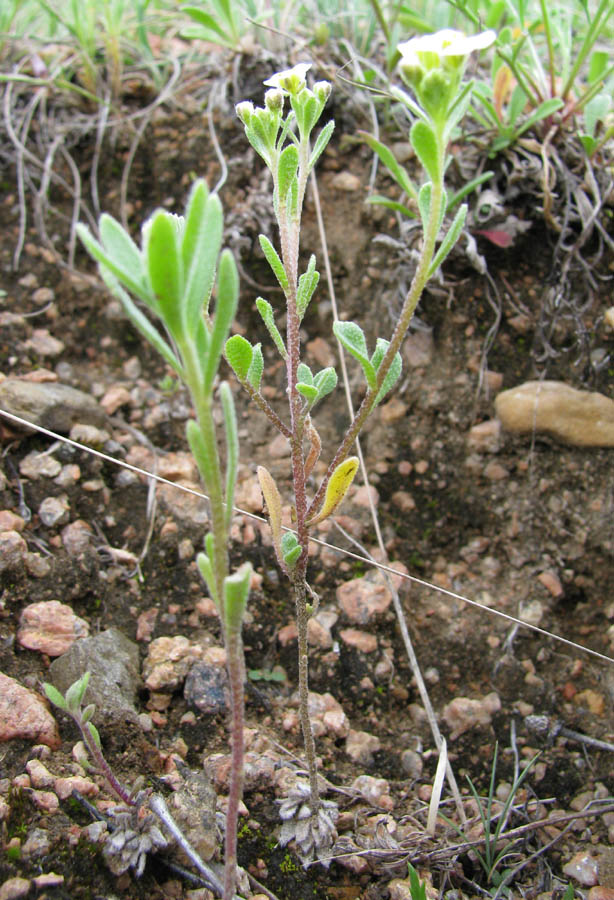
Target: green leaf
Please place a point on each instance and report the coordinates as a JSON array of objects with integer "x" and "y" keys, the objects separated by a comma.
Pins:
[
  {"x": 266, "y": 311},
  {"x": 200, "y": 248},
  {"x": 165, "y": 270},
  {"x": 203, "y": 456},
  {"x": 449, "y": 240},
  {"x": 54, "y": 696},
  {"x": 309, "y": 392},
  {"x": 94, "y": 733},
  {"x": 239, "y": 354},
  {"x": 325, "y": 381},
  {"x": 142, "y": 323},
  {"x": 307, "y": 284},
  {"x": 351, "y": 337},
  {"x": 394, "y": 205},
  {"x": 394, "y": 372},
  {"x": 236, "y": 592},
  {"x": 206, "y": 570},
  {"x": 467, "y": 189},
  {"x": 286, "y": 170},
  {"x": 232, "y": 447},
  {"x": 388, "y": 158},
  {"x": 290, "y": 549},
  {"x": 254, "y": 373},
  {"x": 74, "y": 694},
  {"x": 320, "y": 144},
  {"x": 304, "y": 374},
  {"x": 225, "y": 308},
  {"x": 274, "y": 261},
  {"x": 121, "y": 248},
  {"x": 424, "y": 203},
  {"x": 87, "y": 713},
  {"x": 424, "y": 142},
  {"x": 107, "y": 263}
]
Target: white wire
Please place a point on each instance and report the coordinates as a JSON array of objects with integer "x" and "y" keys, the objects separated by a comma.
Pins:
[{"x": 321, "y": 543}]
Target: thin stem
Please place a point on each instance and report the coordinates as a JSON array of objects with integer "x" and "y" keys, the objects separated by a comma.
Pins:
[
  {"x": 236, "y": 678},
  {"x": 103, "y": 766},
  {"x": 302, "y": 619},
  {"x": 548, "y": 31},
  {"x": 605, "y": 8}
]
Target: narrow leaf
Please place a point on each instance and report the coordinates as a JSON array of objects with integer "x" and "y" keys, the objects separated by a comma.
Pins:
[
  {"x": 203, "y": 455},
  {"x": 121, "y": 248},
  {"x": 449, "y": 240},
  {"x": 272, "y": 498},
  {"x": 394, "y": 205},
  {"x": 336, "y": 489},
  {"x": 254, "y": 373},
  {"x": 239, "y": 355},
  {"x": 54, "y": 695},
  {"x": 225, "y": 308},
  {"x": 424, "y": 142},
  {"x": 232, "y": 447},
  {"x": 94, "y": 733},
  {"x": 321, "y": 143},
  {"x": 266, "y": 311},
  {"x": 274, "y": 261},
  {"x": 164, "y": 268},
  {"x": 394, "y": 372},
  {"x": 200, "y": 248},
  {"x": 108, "y": 264},
  {"x": 352, "y": 338},
  {"x": 286, "y": 170},
  {"x": 388, "y": 158},
  {"x": 206, "y": 570},
  {"x": 290, "y": 549},
  {"x": 236, "y": 592},
  {"x": 307, "y": 284}
]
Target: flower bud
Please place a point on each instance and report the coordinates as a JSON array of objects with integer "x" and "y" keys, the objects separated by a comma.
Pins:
[
  {"x": 274, "y": 100},
  {"x": 322, "y": 91},
  {"x": 245, "y": 111}
]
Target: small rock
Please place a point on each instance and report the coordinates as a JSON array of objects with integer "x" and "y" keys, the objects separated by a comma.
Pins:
[
  {"x": 412, "y": 763},
  {"x": 393, "y": 411},
  {"x": 37, "y": 565},
  {"x": 462, "y": 714},
  {"x": 40, "y": 776},
  {"x": 89, "y": 435},
  {"x": 54, "y": 510},
  {"x": 13, "y": 550},
  {"x": 146, "y": 623},
  {"x": 10, "y": 521},
  {"x": 583, "y": 868},
  {"x": 206, "y": 688},
  {"x": 363, "y": 598},
  {"x": 46, "y": 801},
  {"x": 552, "y": 583},
  {"x": 193, "y": 808},
  {"x": 184, "y": 505},
  {"x": 485, "y": 437},
  {"x": 178, "y": 466},
  {"x": 360, "y": 747},
  {"x": 50, "y": 627},
  {"x": 599, "y": 892},
  {"x": 168, "y": 661},
  {"x": 418, "y": 348},
  {"x": 37, "y": 844},
  {"x": 39, "y": 465},
  {"x": 113, "y": 662},
  {"x": 279, "y": 447},
  {"x": 76, "y": 537},
  {"x": 579, "y": 418},
  {"x": 327, "y": 715},
  {"x": 48, "y": 880},
  {"x": 375, "y": 791},
  {"x": 23, "y": 715},
  {"x": 404, "y": 501},
  {"x": 591, "y": 700},
  {"x": 531, "y": 612},
  {"x": 116, "y": 397},
  {"x": 13, "y": 888},
  {"x": 54, "y": 406},
  {"x": 345, "y": 181},
  {"x": 44, "y": 343},
  {"x": 360, "y": 640},
  {"x": 64, "y": 787},
  {"x": 318, "y": 634},
  {"x": 494, "y": 471}
]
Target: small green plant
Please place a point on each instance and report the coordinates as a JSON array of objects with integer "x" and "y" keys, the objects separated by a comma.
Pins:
[
  {"x": 173, "y": 274},
  {"x": 417, "y": 888},
  {"x": 491, "y": 858},
  {"x": 216, "y": 21}
]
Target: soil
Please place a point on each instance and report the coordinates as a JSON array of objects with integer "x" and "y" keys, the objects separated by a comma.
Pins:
[{"x": 483, "y": 526}]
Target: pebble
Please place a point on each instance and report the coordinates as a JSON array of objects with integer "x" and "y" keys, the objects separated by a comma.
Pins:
[
  {"x": 591, "y": 700},
  {"x": 360, "y": 746},
  {"x": 52, "y": 405},
  {"x": 375, "y": 791},
  {"x": 40, "y": 776},
  {"x": 39, "y": 465},
  {"x": 168, "y": 661},
  {"x": 404, "y": 501},
  {"x": 146, "y": 623},
  {"x": 418, "y": 348},
  {"x": 13, "y": 550},
  {"x": 76, "y": 537},
  {"x": 321, "y": 352},
  {"x": 64, "y": 787},
  {"x": 531, "y": 612},
  {"x": 113, "y": 662},
  {"x": 36, "y": 844},
  {"x": 552, "y": 583},
  {"x": 24, "y": 715},
  {"x": 278, "y": 447},
  {"x": 178, "y": 466},
  {"x": 463, "y": 713},
  {"x": 13, "y": 888},
  {"x": 206, "y": 688},
  {"x": 363, "y": 598},
  {"x": 579, "y": 418},
  {"x": 485, "y": 437},
  {"x": 185, "y": 506},
  {"x": 54, "y": 510},
  {"x": 46, "y": 801},
  {"x": 346, "y": 181},
  {"x": 48, "y": 879},
  {"x": 412, "y": 763},
  {"x": 494, "y": 471},
  {"x": 327, "y": 715},
  {"x": 44, "y": 343},
  {"x": 50, "y": 627},
  {"x": 192, "y": 806},
  {"x": 599, "y": 892},
  {"x": 116, "y": 397},
  {"x": 583, "y": 867},
  {"x": 360, "y": 640},
  {"x": 37, "y": 565},
  {"x": 393, "y": 411},
  {"x": 10, "y": 521},
  {"x": 89, "y": 435}
]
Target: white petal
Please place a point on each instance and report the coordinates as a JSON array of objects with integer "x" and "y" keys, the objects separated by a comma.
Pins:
[{"x": 300, "y": 70}]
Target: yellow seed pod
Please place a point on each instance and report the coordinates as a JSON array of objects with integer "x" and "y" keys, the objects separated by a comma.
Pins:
[
  {"x": 272, "y": 499},
  {"x": 338, "y": 486}
]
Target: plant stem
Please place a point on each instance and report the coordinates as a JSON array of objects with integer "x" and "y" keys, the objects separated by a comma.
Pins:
[
  {"x": 236, "y": 678},
  {"x": 302, "y": 619},
  {"x": 103, "y": 766}
]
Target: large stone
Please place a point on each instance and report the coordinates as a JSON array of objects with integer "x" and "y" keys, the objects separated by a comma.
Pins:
[
  {"x": 113, "y": 662},
  {"x": 50, "y": 627},
  {"x": 24, "y": 715},
  {"x": 54, "y": 406},
  {"x": 580, "y": 418}
]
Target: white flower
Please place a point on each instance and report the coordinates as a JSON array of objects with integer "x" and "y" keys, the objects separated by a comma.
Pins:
[
  {"x": 447, "y": 42},
  {"x": 291, "y": 80}
]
